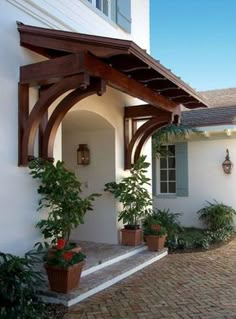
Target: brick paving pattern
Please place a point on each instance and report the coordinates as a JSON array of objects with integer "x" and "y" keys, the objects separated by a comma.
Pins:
[{"x": 180, "y": 286}]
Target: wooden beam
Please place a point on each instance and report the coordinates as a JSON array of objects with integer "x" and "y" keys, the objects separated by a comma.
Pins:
[
  {"x": 23, "y": 113},
  {"x": 85, "y": 62},
  {"x": 123, "y": 83},
  {"x": 51, "y": 71},
  {"x": 142, "y": 111}
]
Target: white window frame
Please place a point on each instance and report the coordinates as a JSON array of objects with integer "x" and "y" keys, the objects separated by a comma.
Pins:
[
  {"x": 94, "y": 3},
  {"x": 167, "y": 169}
]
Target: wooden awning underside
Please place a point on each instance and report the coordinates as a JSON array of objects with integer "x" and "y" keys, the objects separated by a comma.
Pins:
[{"x": 85, "y": 64}]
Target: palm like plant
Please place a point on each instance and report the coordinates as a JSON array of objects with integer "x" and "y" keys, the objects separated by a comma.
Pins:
[
  {"x": 217, "y": 215},
  {"x": 163, "y": 135}
]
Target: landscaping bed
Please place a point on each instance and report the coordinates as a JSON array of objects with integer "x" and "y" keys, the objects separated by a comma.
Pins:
[{"x": 195, "y": 240}]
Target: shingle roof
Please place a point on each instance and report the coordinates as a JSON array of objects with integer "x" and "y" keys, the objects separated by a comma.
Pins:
[
  {"x": 212, "y": 116},
  {"x": 222, "y": 109},
  {"x": 223, "y": 97}
]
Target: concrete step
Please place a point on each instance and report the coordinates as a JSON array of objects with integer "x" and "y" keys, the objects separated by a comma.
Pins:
[{"x": 100, "y": 279}]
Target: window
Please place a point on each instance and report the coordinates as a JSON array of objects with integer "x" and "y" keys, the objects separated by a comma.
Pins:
[
  {"x": 119, "y": 11},
  {"x": 170, "y": 173},
  {"x": 102, "y": 5},
  {"x": 168, "y": 170}
]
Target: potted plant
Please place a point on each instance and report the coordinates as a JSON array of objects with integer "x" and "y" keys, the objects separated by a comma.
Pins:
[
  {"x": 60, "y": 195},
  {"x": 64, "y": 267},
  {"x": 155, "y": 239},
  {"x": 132, "y": 192}
]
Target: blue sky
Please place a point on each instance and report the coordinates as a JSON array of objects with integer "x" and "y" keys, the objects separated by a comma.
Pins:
[{"x": 196, "y": 39}]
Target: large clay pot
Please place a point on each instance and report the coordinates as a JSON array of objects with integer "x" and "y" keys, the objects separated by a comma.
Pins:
[
  {"x": 155, "y": 243},
  {"x": 64, "y": 280},
  {"x": 131, "y": 237}
]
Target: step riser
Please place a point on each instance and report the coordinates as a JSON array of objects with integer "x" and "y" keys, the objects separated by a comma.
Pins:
[
  {"x": 105, "y": 284},
  {"x": 112, "y": 261}
]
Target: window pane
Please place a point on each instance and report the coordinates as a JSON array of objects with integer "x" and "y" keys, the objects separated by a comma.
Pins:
[
  {"x": 163, "y": 175},
  {"x": 171, "y": 162},
  {"x": 163, "y": 187},
  {"x": 172, "y": 188},
  {"x": 171, "y": 150},
  {"x": 105, "y": 7},
  {"x": 171, "y": 175},
  {"x": 98, "y": 4},
  {"x": 163, "y": 163}
]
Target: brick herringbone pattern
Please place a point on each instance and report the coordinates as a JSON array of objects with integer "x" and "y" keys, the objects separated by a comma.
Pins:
[{"x": 181, "y": 286}]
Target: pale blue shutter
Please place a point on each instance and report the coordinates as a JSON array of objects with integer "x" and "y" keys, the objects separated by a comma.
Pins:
[
  {"x": 181, "y": 154},
  {"x": 113, "y": 10},
  {"x": 123, "y": 14}
]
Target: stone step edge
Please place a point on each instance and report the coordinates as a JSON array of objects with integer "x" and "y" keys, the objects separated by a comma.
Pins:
[
  {"x": 112, "y": 261},
  {"x": 104, "y": 285}
]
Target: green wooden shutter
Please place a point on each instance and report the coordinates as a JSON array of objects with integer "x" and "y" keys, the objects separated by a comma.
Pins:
[
  {"x": 181, "y": 154},
  {"x": 123, "y": 14}
]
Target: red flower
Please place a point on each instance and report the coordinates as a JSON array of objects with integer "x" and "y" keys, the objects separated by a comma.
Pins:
[
  {"x": 61, "y": 243},
  {"x": 68, "y": 255}
]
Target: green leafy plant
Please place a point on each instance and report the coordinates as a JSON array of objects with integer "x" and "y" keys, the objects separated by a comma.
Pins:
[
  {"x": 163, "y": 135},
  {"x": 60, "y": 194},
  {"x": 217, "y": 215},
  {"x": 132, "y": 193},
  {"x": 18, "y": 282},
  {"x": 165, "y": 218},
  {"x": 62, "y": 256},
  {"x": 220, "y": 235},
  {"x": 149, "y": 231}
]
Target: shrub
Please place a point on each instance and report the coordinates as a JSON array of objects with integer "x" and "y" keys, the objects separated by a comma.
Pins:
[
  {"x": 166, "y": 219},
  {"x": 60, "y": 193},
  {"x": 216, "y": 215},
  {"x": 132, "y": 193},
  {"x": 17, "y": 289}
]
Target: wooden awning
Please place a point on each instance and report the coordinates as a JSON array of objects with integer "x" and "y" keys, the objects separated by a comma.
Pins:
[
  {"x": 121, "y": 55},
  {"x": 86, "y": 64}
]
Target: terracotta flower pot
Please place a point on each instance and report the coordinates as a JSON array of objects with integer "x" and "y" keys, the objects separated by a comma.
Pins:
[
  {"x": 155, "y": 243},
  {"x": 155, "y": 227},
  {"x": 64, "y": 280},
  {"x": 130, "y": 237}
]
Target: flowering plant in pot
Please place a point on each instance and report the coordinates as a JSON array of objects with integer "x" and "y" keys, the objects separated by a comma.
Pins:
[
  {"x": 132, "y": 192},
  {"x": 60, "y": 196},
  {"x": 64, "y": 267}
]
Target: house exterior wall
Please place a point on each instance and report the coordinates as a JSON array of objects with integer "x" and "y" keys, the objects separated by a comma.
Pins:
[
  {"x": 18, "y": 191},
  {"x": 207, "y": 181}
]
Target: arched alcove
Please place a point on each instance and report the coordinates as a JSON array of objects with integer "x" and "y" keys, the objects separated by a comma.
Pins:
[{"x": 86, "y": 127}]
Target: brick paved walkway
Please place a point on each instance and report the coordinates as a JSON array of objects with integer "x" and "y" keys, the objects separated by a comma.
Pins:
[{"x": 181, "y": 286}]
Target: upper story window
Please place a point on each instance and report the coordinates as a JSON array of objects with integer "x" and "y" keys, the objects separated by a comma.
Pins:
[
  {"x": 118, "y": 11},
  {"x": 168, "y": 170},
  {"x": 102, "y": 5}
]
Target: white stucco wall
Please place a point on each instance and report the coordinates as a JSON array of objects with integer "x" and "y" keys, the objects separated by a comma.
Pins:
[
  {"x": 18, "y": 195},
  {"x": 207, "y": 181}
]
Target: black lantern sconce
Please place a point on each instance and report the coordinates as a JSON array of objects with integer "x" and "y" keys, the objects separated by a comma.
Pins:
[
  {"x": 227, "y": 164},
  {"x": 83, "y": 155}
]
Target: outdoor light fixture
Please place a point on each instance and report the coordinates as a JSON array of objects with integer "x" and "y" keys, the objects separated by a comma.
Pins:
[
  {"x": 83, "y": 155},
  {"x": 227, "y": 164}
]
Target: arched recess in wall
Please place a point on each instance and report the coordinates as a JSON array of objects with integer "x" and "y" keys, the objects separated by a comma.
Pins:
[{"x": 87, "y": 127}]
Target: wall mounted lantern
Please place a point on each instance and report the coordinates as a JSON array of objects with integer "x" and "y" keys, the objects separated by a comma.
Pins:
[
  {"x": 227, "y": 164},
  {"x": 83, "y": 155}
]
